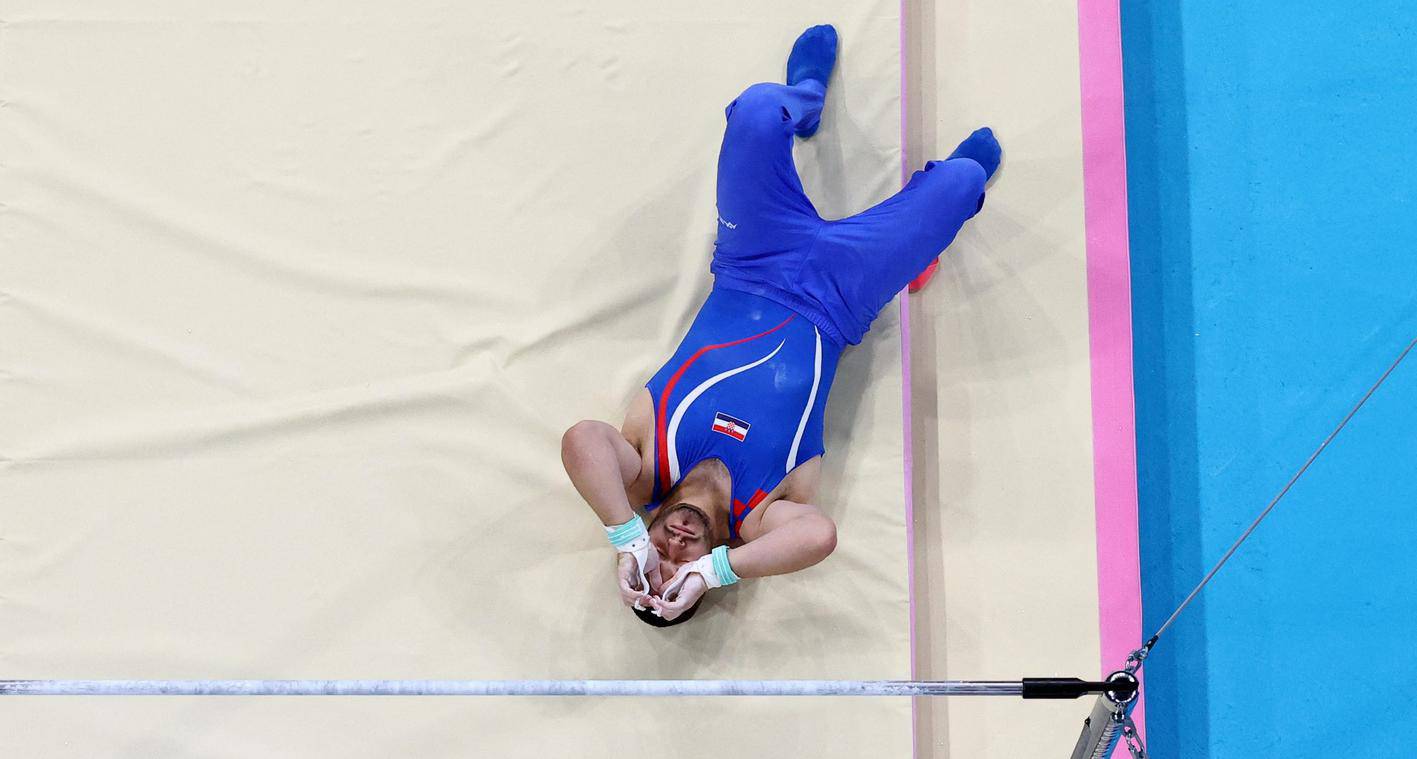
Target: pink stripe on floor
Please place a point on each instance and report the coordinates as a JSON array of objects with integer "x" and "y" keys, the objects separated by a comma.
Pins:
[{"x": 1110, "y": 332}]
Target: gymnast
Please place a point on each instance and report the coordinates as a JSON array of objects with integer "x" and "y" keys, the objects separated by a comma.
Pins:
[{"x": 723, "y": 446}]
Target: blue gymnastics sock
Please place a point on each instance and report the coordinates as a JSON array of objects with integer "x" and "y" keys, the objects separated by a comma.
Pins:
[
  {"x": 813, "y": 57},
  {"x": 982, "y": 148}
]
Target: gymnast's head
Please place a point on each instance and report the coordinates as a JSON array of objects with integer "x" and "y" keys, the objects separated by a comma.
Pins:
[{"x": 679, "y": 535}]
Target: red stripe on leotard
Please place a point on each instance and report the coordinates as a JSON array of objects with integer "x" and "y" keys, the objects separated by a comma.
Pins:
[
  {"x": 662, "y": 423},
  {"x": 740, "y": 510}
]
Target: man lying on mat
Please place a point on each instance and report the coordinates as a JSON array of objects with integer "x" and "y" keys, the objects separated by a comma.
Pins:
[{"x": 723, "y": 447}]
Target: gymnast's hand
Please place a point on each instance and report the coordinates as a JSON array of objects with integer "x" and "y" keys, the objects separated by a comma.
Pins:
[
  {"x": 680, "y": 593},
  {"x": 631, "y": 591}
]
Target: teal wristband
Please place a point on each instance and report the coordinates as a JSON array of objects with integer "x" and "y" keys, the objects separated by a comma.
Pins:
[
  {"x": 721, "y": 567},
  {"x": 622, "y": 535}
]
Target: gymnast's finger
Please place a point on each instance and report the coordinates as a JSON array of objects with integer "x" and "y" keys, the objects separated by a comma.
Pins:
[{"x": 672, "y": 610}]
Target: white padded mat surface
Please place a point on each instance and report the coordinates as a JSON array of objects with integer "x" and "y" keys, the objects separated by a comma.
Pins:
[{"x": 295, "y": 302}]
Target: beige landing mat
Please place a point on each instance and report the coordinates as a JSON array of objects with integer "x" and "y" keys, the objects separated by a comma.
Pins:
[
  {"x": 295, "y": 302},
  {"x": 1006, "y": 545}
]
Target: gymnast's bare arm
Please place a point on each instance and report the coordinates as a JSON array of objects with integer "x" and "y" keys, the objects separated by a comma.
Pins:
[
  {"x": 606, "y": 469},
  {"x": 786, "y": 533},
  {"x": 786, "y": 536},
  {"x": 792, "y": 536}
]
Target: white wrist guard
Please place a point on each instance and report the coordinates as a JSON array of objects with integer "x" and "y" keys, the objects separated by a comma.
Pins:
[
  {"x": 713, "y": 568},
  {"x": 632, "y": 538}
]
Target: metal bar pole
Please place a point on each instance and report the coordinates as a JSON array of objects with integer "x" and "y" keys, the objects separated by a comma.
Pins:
[{"x": 508, "y": 688}]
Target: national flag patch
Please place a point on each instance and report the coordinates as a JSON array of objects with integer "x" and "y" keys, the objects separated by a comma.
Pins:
[{"x": 734, "y": 428}]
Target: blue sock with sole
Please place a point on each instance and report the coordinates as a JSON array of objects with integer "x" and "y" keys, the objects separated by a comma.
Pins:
[
  {"x": 813, "y": 57},
  {"x": 982, "y": 148}
]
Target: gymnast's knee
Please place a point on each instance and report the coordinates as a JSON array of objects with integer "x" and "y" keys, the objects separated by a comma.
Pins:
[
  {"x": 959, "y": 182},
  {"x": 761, "y": 107}
]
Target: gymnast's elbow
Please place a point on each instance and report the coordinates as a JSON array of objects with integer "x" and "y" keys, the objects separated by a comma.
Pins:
[{"x": 580, "y": 441}]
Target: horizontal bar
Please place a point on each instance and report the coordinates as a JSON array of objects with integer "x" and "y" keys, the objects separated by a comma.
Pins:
[
  {"x": 1121, "y": 685},
  {"x": 508, "y": 688}
]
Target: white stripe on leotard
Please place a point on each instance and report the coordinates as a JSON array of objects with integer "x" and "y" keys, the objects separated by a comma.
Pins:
[
  {"x": 811, "y": 401},
  {"x": 693, "y": 396}
]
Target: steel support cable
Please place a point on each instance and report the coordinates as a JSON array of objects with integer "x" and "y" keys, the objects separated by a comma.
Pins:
[{"x": 1135, "y": 659}]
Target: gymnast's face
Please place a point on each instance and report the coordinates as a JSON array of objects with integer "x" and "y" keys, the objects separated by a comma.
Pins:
[{"x": 680, "y": 534}]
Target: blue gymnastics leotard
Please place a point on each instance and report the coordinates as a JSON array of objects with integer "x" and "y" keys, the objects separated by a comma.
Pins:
[{"x": 748, "y": 386}]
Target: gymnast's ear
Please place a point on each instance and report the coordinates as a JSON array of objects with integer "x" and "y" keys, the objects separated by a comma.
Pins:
[{"x": 647, "y": 616}]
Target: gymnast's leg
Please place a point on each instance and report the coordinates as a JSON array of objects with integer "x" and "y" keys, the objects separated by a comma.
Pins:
[
  {"x": 983, "y": 148},
  {"x": 859, "y": 263},
  {"x": 762, "y": 208}
]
